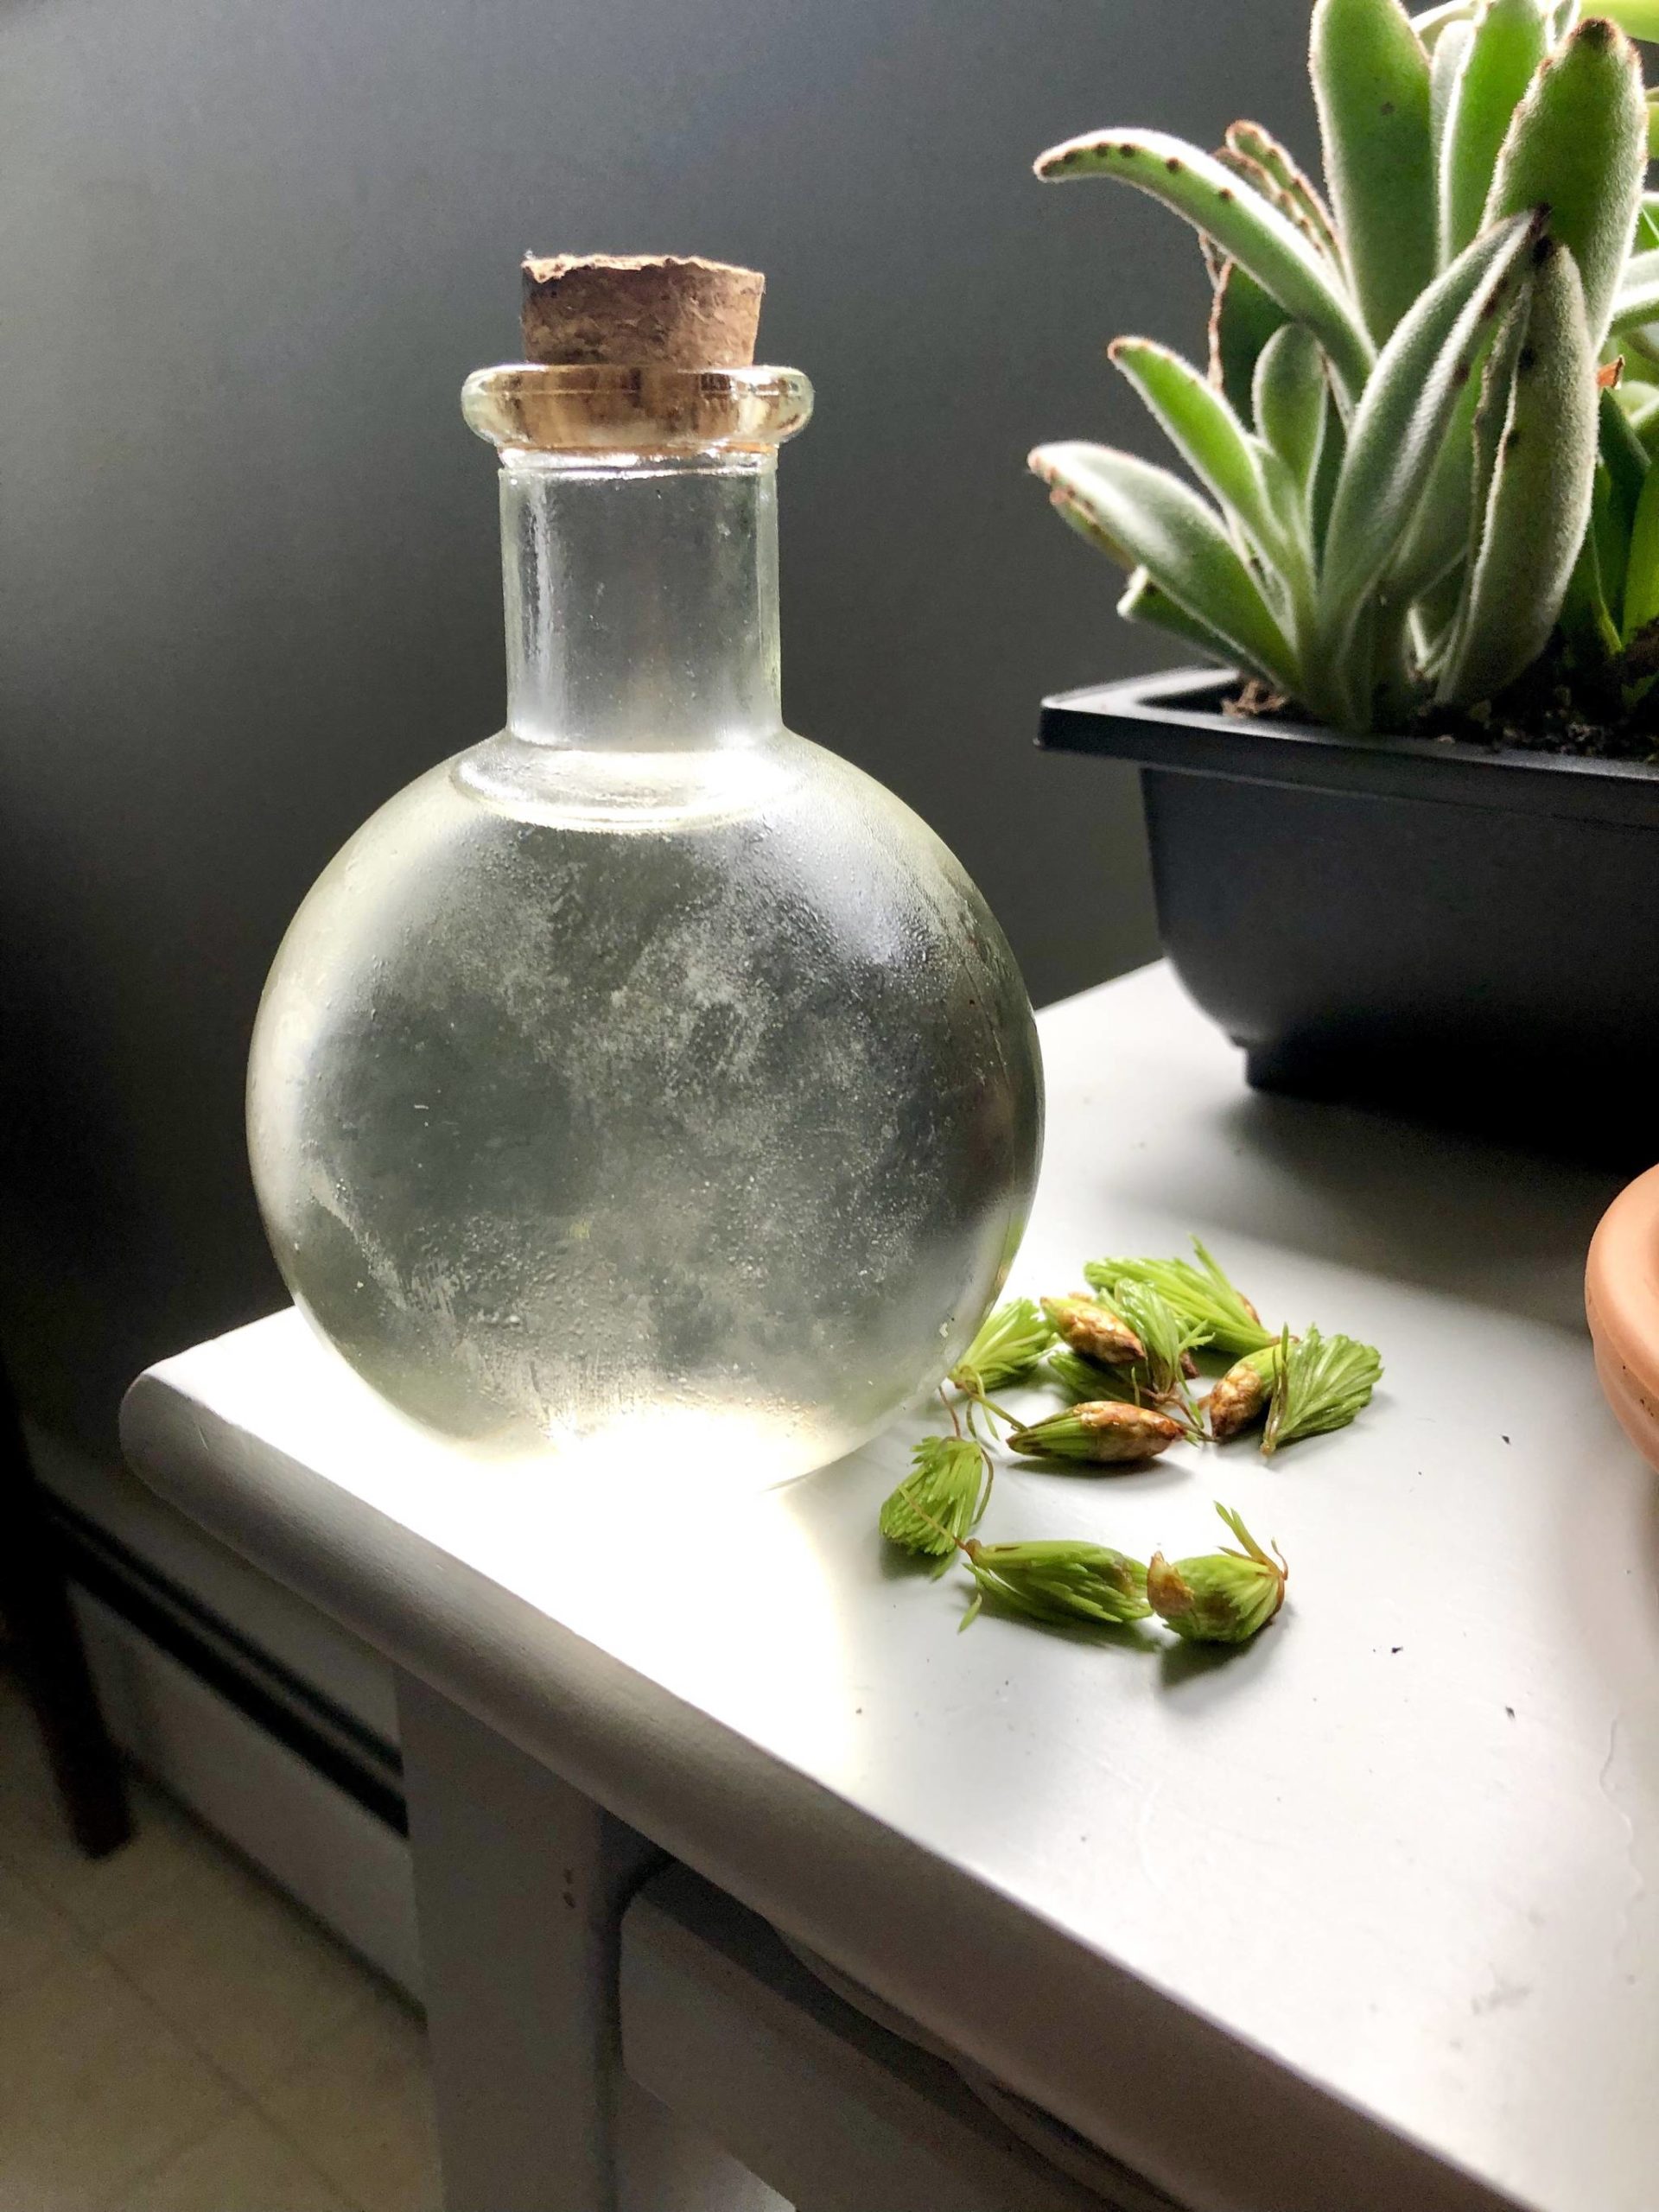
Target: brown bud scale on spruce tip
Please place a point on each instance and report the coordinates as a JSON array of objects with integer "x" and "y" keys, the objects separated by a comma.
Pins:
[
  {"x": 1094, "y": 1330},
  {"x": 1103, "y": 1431},
  {"x": 1239, "y": 1398}
]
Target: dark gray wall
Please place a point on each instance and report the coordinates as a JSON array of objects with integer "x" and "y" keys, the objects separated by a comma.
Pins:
[{"x": 248, "y": 553}]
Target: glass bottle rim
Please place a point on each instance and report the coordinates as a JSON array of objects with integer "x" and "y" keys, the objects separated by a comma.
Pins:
[{"x": 600, "y": 407}]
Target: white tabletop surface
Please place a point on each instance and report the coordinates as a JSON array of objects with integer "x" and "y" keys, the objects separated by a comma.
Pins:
[{"x": 1362, "y": 1916}]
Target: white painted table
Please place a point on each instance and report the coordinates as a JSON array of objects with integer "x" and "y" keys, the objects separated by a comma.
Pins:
[{"x": 1361, "y": 1919}]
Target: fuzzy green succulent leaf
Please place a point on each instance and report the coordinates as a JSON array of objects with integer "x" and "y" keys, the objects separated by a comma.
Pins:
[
  {"x": 1636, "y": 301},
  {"x": 1142, "y": 601},
  {"x": 1333, "y": 452},
  {"x": 1577, "y": 146},
  {"x": 1246, "y": 228},
  {"x": 1585, "y": 621},
  {"x": 1289, "y": 401},
  {"x": 1539, "y": 503},
  {"x": 1444, "y": 66},
  {"x": 1394, "y": 696},
  {"x": 1610, "y": 533},
  {"x": 1256, "y": 144},
  {"x": 1215, "y": 445},
  {"x": 1640, "y": 408},
  {"x": 1262, "y": 181},
  {"x": 1242, "y": 318},
  {"x": 1622, "y": 467},
  {"x": 1434, "y": 622},
  {"x": 1641, "y": 595},
  {"x": 1484, "y": 69},
  {"x": 1505, "y": 44},
  {"x": 1486, "y": 429},
  {"x": 1088, "y": 526},
  {"x": 1432, "y": 24},
  {"x": 1639, "y": 17},
  {"x": 1622, "y": 450},
  {"x": 1371, "y": 85},
  {"x": 1435, "y": 552},
  {"x": 1168, "y": 531},
  {"x": 1400, "y": 429},
  {"x": 1434, "y": 546}
]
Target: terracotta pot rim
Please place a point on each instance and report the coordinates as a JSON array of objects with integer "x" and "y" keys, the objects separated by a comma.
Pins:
[{"x": 1621, "y": 1286}]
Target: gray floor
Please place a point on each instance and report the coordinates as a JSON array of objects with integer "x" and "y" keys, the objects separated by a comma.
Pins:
[{"x": 177, "y": 2037}]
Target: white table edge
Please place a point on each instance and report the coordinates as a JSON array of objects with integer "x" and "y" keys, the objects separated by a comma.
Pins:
[{"x": 1174, "y": 2095}]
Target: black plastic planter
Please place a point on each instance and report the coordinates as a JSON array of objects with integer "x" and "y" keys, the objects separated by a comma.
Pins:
[{"x": 1470, "y": 936}]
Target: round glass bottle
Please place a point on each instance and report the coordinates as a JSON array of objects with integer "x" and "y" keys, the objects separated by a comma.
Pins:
[{"x": 645, "y": 1078}]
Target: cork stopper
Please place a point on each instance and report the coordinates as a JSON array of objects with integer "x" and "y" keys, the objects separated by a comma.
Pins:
[{"x": 639, "y": 310}]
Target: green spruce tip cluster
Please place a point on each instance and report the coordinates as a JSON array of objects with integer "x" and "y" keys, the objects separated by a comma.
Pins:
[
  {"x": 1318, "y": 1383},
  {"x": 1418, "y": 478},
  {"x": 1197, "y": 1291},
  {"x": 1224, "y": 1597},
  {"x": 1122, "y": 1355},
  {"x": 941, "y": 1500},
  {"x": 1057, "y": 1581},
  {"x": 1292, "y": 1387}
]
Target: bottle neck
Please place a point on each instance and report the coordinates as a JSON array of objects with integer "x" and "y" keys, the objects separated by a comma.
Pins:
[{"x": 641, "y": 599}]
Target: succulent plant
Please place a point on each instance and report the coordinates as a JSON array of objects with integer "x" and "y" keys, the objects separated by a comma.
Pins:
[
  {"x": 1405, "y": 428},
  {"x": 1610, "y": 619}
]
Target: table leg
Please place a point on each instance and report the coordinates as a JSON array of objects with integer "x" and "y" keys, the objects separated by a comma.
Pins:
[{"x": 519, "y": 1885}]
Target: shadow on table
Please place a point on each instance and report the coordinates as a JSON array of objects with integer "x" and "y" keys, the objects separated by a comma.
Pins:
[
  {"x": 1455, "y": 1215},
  {"x": 1223, "y": 1667}
]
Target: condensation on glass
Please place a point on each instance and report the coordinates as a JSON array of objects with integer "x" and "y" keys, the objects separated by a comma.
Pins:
[{"x": 645, "y": 1080}]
